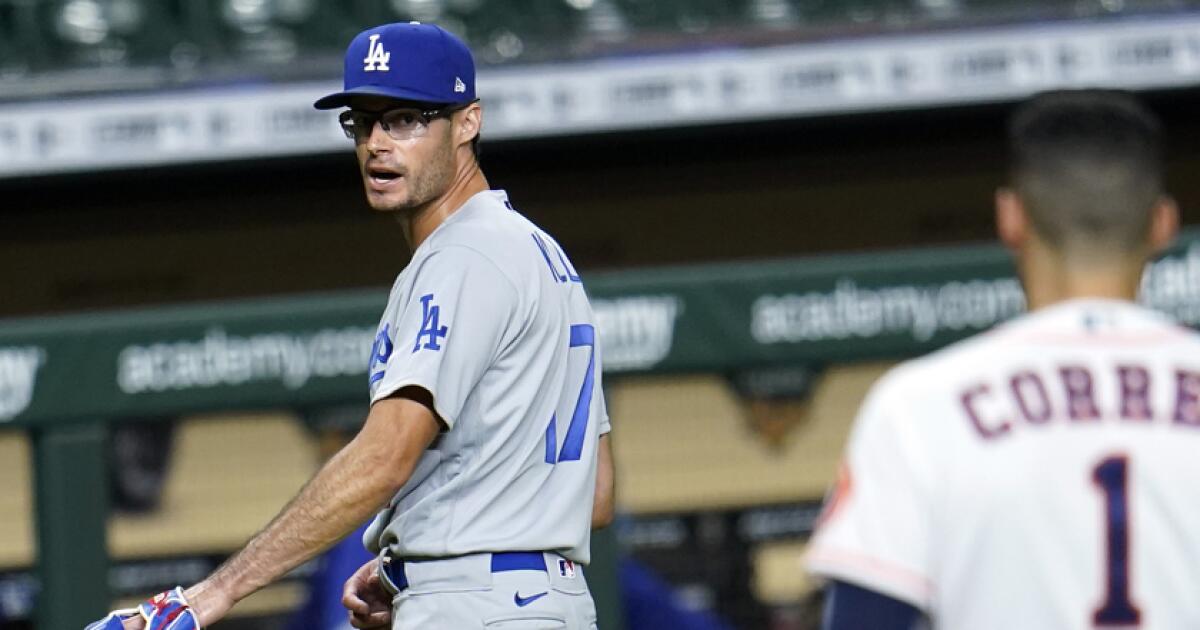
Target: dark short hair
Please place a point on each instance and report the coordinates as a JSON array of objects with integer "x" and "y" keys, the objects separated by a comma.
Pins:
[{"x": 1088, "y": 167}]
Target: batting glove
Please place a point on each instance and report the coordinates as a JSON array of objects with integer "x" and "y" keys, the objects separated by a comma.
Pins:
[{"x": 168, "y": 610}]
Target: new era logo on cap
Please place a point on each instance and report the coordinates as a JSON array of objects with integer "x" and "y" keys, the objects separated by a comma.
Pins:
[{"x": 430, "y": 65}]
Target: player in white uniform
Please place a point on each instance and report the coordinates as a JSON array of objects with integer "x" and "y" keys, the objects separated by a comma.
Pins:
[
  {"x": 486, "y": 440},
  {"x": 1039, "y": 476}
]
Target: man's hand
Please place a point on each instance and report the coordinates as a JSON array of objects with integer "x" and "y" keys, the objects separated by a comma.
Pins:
[
  {"x": 209, "y": 601},
  {"x": 171, "y": 610},
  {"x": 370, "y": 605}
]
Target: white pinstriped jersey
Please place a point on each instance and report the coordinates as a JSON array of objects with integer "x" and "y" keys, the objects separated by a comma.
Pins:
[
  {"x": 1039, "y": 476},
  {"x": 491, "y": 317}
]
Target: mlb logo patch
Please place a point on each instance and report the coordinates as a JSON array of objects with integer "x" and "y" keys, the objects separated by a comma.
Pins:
[{"x": 566, "y": 568}]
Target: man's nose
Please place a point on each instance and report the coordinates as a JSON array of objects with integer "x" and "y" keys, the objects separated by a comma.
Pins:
[{"x": 378, "y": 141}]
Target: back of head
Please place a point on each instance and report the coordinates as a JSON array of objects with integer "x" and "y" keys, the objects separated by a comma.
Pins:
[{"x": 1087, "y": 166}]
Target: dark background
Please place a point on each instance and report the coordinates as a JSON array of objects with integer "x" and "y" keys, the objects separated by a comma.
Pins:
[{"x": 615, "y": 201}]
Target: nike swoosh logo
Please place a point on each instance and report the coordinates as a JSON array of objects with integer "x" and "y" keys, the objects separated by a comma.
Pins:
[{"x": 525, "y": 601}]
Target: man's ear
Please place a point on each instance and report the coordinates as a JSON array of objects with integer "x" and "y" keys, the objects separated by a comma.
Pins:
[
  {"x": 470, "y": 123},
  {"x": 1012, "y": 223},
  {"x": 1164, "y": 224}
]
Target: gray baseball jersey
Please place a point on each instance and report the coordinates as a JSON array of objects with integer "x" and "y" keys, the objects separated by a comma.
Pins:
[{"x": 491, "y": 318}]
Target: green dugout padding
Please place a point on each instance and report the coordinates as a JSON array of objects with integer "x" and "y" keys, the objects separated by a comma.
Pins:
[{"x": 64, "y": 378}]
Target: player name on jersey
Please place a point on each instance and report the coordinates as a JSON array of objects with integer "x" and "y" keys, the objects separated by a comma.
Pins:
[{"x": 1024, "y": 399}]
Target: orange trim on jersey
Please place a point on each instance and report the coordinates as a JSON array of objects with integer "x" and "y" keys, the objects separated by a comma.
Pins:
[
  {"x": 838, "y": 495},
  {"x": 887, "y": 571}
]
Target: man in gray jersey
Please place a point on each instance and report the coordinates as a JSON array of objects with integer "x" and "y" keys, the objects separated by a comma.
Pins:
[{"x": 486, "y": 442}]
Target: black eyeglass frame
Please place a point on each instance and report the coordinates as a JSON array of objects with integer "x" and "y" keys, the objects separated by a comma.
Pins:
[{"x": 445, "y": 111}]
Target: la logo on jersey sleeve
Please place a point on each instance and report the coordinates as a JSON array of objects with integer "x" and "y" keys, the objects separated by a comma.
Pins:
[
  {"x": 381, "y": 352},
  {"x": 428, "y": 338}
]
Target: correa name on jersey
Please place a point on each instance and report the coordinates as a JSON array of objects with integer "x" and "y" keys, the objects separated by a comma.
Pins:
[{"x": 1022, "y": 399}]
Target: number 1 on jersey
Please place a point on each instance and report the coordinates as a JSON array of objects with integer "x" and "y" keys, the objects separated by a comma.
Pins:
[
  {"x": 582, "y": 336},
  {"x": 1112, "y": 475}
]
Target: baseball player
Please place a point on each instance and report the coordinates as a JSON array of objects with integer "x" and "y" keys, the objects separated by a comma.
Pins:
[
  {"x": 486, "y": 442},
  {"x": 1040, "y": 475}
]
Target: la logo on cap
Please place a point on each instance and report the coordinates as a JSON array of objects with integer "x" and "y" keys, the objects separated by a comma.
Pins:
[{"x": 377, "y": 57}]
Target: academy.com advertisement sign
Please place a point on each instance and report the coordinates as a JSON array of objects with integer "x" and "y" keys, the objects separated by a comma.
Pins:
[
  {"x": 924, "y": 311},
  {"x": 1172, "y": 285},
  {"x": 840, "y": 308},
  {"x": 315, "y": 350},
  {"x": 850, "y": 311},
  {"x": 221, "y": 359}
]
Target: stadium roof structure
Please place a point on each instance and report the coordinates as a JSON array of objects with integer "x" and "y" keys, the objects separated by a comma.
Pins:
[{"x": 97, "y": 84}]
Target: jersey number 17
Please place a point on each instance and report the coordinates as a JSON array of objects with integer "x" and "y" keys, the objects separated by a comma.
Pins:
[{"x": 582, "y": 336}]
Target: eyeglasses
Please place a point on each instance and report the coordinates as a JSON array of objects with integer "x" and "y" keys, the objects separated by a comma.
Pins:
[{"x": 402, "y": 123}]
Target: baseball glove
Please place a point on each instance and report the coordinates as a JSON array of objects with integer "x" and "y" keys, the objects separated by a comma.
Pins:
[{"x": 168, "y": 610}]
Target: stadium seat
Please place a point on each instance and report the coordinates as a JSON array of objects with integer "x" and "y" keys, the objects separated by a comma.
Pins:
[
  {"x": 273, "y": 32},
  {"x": 20, "y": 46},
  {"x": 694, "y": 16},
  {"x": 93, "y": 33},
  {"x": 520, "y": 30}
]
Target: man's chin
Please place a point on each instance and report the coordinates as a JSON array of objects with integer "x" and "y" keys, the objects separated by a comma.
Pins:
[{"x": 385, "y": 203}]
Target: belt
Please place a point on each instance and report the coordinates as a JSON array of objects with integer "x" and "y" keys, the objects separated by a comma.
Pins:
[{"x": 501, "y": 561}]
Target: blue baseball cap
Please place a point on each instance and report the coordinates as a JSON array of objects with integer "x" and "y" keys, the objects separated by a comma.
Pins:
[{"x": 406, "y": 61}]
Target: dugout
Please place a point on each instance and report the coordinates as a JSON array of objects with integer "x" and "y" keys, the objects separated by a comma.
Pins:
[
  {"x": 693, "y": 338},
  {"x": 670, "y": 228},
  {"x": 761, "y": 414}
]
